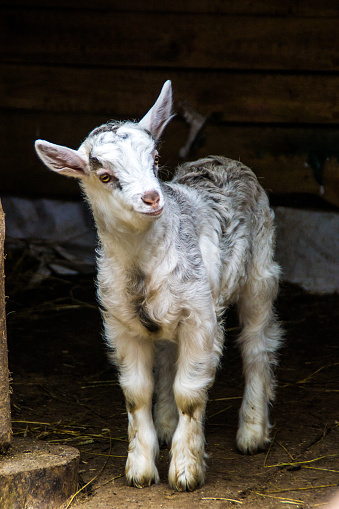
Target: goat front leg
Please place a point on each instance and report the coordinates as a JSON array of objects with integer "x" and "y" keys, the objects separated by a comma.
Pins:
[
  {"x": 135, "y": 360},
  {"x": 195, "y": 374}
]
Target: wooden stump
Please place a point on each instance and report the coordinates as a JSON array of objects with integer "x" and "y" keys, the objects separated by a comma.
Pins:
[
  {"x": 5, "y": 411},
  {"x": 37, "y": 475}
]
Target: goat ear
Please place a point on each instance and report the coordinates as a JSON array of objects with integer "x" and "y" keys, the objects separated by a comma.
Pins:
[
  {"x": 61, "y": 159},
  {"x": 159, "y": 115}
]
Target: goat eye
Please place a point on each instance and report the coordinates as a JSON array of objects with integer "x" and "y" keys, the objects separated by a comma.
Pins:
[
  {"x": 105, "y": 178},
  {"x": 156, "y": 160}
]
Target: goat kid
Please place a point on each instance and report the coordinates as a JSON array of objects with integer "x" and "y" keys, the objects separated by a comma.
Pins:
[{"x": 172, "y": 257}]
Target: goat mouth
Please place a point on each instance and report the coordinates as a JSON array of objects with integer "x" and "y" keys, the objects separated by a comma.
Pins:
[{"x": 154, "y": 212}]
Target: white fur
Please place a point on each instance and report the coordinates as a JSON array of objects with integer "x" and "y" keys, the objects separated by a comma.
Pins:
[{"x": 171, "y": 258}]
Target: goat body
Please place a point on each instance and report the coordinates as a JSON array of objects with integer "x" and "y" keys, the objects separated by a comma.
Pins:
[{"x": 172, "y": 257}]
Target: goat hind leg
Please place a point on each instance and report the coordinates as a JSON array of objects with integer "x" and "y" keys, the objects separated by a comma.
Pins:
[
  {"x": 259, "y": 340},
  {"x": 165, "y": 408}
]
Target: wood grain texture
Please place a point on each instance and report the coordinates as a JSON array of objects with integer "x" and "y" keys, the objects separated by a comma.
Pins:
[
  {"x": 265, "y": 75},
  {"x": 240, "y": 97},
  {"x": 38, "y": 475},
  {"x": 172, "y": 40},
  {"x": 5, "y": 411},
  {"x": 278, "y": 154},
  {"x": 326, "y": 8}
]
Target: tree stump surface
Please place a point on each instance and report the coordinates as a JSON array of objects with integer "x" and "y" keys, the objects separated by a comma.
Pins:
[{"x": 37, "y": 475}]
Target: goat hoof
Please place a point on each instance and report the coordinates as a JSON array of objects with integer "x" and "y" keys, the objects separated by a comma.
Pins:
[
  {"x": 141, "y": 479},
  {"x": 186, "y": 483},
  {"x": 142, "y": 482},
  {"x": 252, "y": 439},
  {"x": 189, "y": 479}
]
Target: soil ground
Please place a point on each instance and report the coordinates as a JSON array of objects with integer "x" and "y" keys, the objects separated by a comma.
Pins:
[{"x": 65, "y": 391}]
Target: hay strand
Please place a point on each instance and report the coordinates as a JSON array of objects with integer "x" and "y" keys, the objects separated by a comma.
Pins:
[
  {"x": 93, "y": 479},
  {"x": 223, "y": 498},
  {"x": 304, "y": 488},
  {"x": 220, "y": 412},
  {"x": 303, "y": 462},
  {"x": 48, "y": 430},
  {"x": 282, "y": 499}
]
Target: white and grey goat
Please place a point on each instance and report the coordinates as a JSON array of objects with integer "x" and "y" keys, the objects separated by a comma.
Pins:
[{"x": 172, "y": 257}]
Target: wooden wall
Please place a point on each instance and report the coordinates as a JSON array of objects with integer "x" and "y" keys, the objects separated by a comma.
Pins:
[{"x": 265, "y": 74}]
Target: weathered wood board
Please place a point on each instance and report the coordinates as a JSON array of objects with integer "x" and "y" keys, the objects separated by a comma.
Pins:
[
  {"x": 264, "y": 74},
  {"x": 272, "y": 7},
  {"x": 5, "y": 411},
  {"x": 172, "y": 40},
  {"x": 128, "y": 93},
  {"x": 280, "y": 156}
]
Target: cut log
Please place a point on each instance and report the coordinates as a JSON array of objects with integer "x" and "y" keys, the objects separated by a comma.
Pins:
[{"x": 38, "y": 475}]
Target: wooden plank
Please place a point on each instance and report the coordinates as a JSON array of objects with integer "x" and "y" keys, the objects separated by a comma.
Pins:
[
  {"x": 279, "y": 155},
  {"x": 129, "y": 93},
  {"x": 128, "y": 39},
  {"x": 5, "y": 409},
  {"x": 331, "y": 181},
  {"x": 324, "y": 8},
  {"x": 22, "y": 173}
]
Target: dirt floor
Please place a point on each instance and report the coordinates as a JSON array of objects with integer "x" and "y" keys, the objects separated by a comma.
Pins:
[{"x": 64, "y": 391}]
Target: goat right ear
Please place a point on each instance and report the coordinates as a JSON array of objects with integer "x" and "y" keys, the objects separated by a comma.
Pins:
[
  {"x": 61, "y": 159},
  {"x": 159, "y": 115}
]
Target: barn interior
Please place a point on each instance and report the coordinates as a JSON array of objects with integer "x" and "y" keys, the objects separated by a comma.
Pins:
[{"x": 253, "y": 81}]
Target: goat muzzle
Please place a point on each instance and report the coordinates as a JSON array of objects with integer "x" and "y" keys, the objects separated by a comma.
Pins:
[{"x": 151, "y": 198}]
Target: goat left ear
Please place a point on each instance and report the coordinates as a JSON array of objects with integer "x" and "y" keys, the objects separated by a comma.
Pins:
[
  {"x": 61, "y": 159},
  {"x": 159, "y": 115}
]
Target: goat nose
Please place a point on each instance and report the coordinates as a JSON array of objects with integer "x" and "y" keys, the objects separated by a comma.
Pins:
[{"x": 151, "y": 198}]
